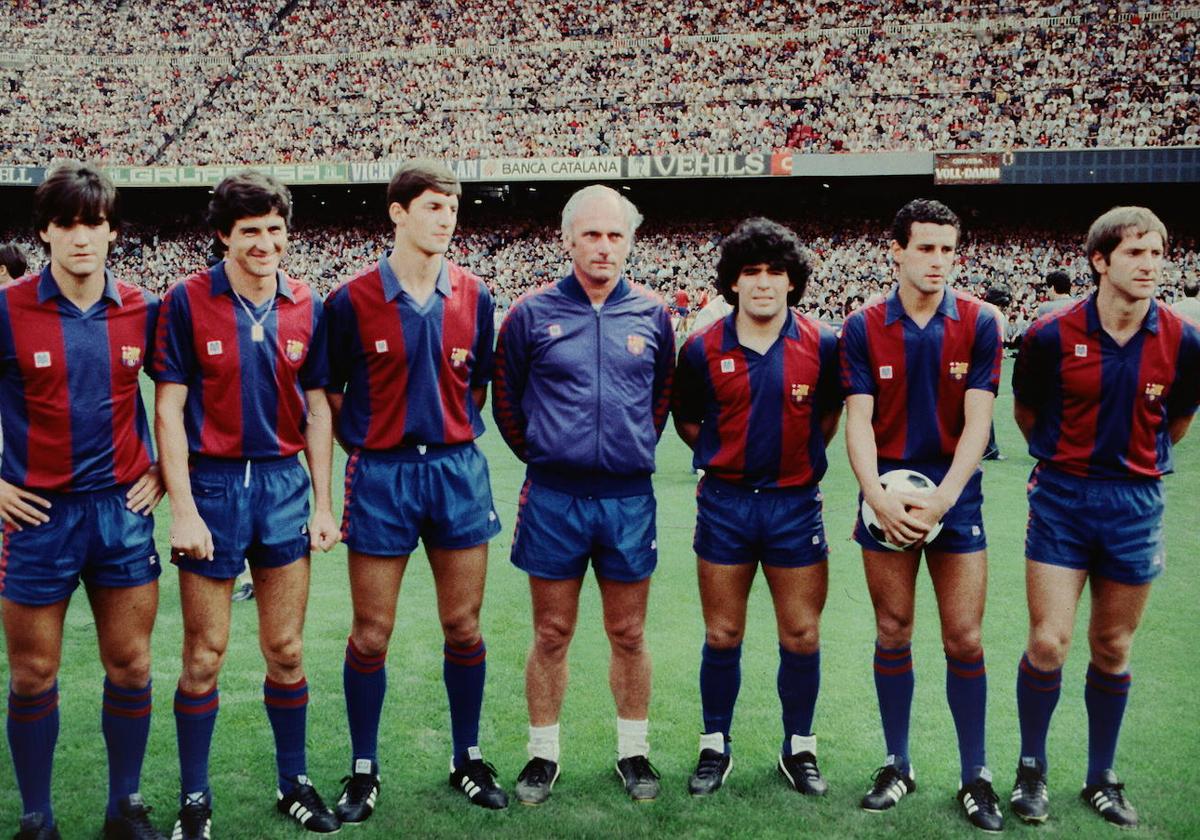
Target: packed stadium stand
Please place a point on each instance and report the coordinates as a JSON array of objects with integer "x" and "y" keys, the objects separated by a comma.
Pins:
[{"x": 178, "y": 83}]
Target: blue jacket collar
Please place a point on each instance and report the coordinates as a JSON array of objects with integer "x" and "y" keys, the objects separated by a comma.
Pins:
[
  {"x": 572, "y": 288},
  {"x": 219, "y": 279},
  {"x": 48, "y": 287}
]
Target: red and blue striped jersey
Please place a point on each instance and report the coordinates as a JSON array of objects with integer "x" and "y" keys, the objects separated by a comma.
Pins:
[
  {"x": 919, "y": 376},
  {"x": 1102, "y": 409},
  {"x": 407, "y": 370},
  {"x": 70, "y": 403},
  {"x": 245, "y": 397},
  {"x": 759, "y": 414}
]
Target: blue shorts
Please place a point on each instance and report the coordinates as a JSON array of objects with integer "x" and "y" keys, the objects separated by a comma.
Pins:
[
  {"x": 1109, "y": 527},
  {"x": 557, "y": 533},
  {"x": 442, "y": 496},
  {"x": 962, "y": 526},
  {"x": 778, "y": 527},
  {"x": 91, "y": 536},
  {"x": 259, "y": 516}
]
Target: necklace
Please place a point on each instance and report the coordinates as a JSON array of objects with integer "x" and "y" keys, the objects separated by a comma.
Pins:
[{"x": 257, "y": 332}]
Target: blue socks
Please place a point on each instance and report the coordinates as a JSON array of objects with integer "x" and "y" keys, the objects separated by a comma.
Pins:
[
  {"x": 287, "y": 709},
  {"x": 1037, "y": 695},
  {"x": 364, "y": 681},
  {"x": 966, "y": 692},
  {"x": 720, "y": 681},
  {"x": 195, "y": 717},
  {"x": 894, "y": 687},
  {"x": 463, "y": 671},
  {"x": 1105, "y": 697},
  {"x": 125, "y": 721},
  {"x": 799, "y": 680},
  {"x": 32, "y": 735}
]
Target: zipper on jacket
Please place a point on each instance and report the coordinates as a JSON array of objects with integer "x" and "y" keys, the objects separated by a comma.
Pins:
[{"x": 599, "y": 376}]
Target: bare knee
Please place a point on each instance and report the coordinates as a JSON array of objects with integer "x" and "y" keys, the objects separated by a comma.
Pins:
[
  {"x": 1048, "y": 647},
  {"x": 551, "y": 639},
  {"x": 627, "y": 638},
  {"x": 893, "y": 630},
  {"x": 964, "y": 644},
  {"x": 1110, "y": 649},
  {"x": 33, "y": 674},
  {"x": 802, "y": 639},
  {"x": 461, "y": 631},
  {"x": 201, "y": 665},
  {"x": 723, "y": 636},
  {"x": 370, "y": 638},
  {"x": 129, "y": 668},
  {"x": 283, "y": 654}
]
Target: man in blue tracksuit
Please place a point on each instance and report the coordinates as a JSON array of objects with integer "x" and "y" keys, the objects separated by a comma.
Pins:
[{"x": 581, "y": 392}]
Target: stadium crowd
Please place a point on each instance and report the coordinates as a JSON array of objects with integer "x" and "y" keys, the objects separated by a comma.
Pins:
[
  {"x": 515, "y": 257},
  {"x": 1094, "y": 80}
]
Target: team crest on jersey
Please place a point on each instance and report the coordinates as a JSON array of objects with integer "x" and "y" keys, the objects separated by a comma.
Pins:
[
  {"x": 1081, "y": 351},
  {"x": 131, "y": 355},
  {"x": 885, "y": 371},
  {"x": 727, "y": 366},
  {"x": 214, "y": 348},
  {"x": 555, "y": 330},
  {"x": 1154, "y": 391},
  {"x": 799, "y": 392},
  {"x": 41, "y": 359},
  {"x": 458, "y": 356},
  {"x": 294, "y": 349},
  {"x": 958, "y": 369},
  {"x": 635, "y": 344},
  {"x": 381, "y": 346}
]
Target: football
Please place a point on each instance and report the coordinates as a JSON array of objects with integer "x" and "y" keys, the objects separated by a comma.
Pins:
[{"x": 899, "y": 481}]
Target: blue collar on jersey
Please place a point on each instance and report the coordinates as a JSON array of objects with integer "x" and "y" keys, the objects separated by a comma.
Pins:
[
  {"x": 729, "y": 339},
  {"x": 572, "y": 288},
  {"x": 220, "y": 282},
  {"x": 948, "y": 306},
  {"x": 1149, "y": 323},
  {"x": 48, "y": 287},
  {"x": 391, "y": 283}
]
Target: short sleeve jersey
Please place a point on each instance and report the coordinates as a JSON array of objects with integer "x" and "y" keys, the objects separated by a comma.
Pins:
[
  {"x": 759, "y": 414},
  {"x": 919, "y": 375},
  {"x": 407, "y": 370},
  {"x": 245, "y": 397},
  {"x": 1103, "y": 410},
  {"x": 70, "y": 400}
]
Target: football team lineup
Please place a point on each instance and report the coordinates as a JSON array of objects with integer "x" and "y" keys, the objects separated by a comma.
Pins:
[{"x": 397, "y": 365}]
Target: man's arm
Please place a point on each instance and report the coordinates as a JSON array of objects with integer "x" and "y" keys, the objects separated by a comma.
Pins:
[
  {"x": 323, "y": 531},
  {"x": 189, "y": 534},
  {"x": 509, "y": 379},
  {"x": 1026, "y": 418},
  {"x": 900, "y": 526}
]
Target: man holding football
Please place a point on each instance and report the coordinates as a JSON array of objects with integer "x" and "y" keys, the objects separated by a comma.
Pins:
[
  {"x": 920, "y": 368},
  {"x": 1104, "y": 388}
]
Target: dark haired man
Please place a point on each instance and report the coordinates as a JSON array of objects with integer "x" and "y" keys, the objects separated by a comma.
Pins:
[
  {"x": 921, "y": 367},
  {"x": 242, "y": 369},
  {"x": 581, "y": 395},
  {"x": 77, "y": 487},
  {"x": 1189, "y": 305},
  {"x": 757, "y": 397},
  {"x": 1103, "y": 391},
  {"x": 1058, "y": 283},
  {"x": 410, "y": 340},
  {"x": 12, "y": 263}
]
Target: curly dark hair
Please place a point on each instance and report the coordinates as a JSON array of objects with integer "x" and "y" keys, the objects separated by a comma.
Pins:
[{"x": 760, "y": 240}]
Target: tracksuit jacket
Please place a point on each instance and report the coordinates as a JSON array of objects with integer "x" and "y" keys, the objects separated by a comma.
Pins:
[{"x": 581, "y": 393}]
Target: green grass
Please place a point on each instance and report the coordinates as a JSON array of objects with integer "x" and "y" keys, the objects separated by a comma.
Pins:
[{"x": 1159, "y": 755}]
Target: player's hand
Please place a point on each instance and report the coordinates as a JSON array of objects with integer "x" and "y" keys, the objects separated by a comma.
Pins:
[
  {"x": 323, "y": 531},
  {"x": 19, "y": 507},
  {"x": 145, "y": 494},
  {"x": 899, "y": 525},
  {"x": 190, "y": 537},
  {"x": 929, "y": 508}
]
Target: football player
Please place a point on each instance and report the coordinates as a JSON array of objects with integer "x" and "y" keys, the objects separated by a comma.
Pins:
[{"x": 921, "y": 367}]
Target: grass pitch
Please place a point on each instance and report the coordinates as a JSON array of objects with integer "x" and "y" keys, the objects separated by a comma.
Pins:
[{"x": 1159, "y": 755}]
